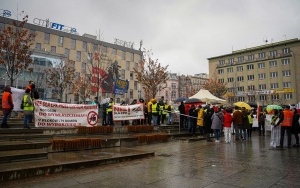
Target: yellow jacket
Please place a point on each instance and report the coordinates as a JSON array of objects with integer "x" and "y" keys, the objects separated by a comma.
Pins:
[{"x": 200, "y": 117}]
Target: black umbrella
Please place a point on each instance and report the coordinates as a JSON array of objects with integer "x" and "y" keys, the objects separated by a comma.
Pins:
[
  {"x": 193, "y": 100},
  {"x": 180, "y": 99}
]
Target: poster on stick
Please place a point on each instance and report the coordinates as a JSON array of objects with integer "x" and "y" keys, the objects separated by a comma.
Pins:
[
  {"x": 52, "y": 114},
  {"x": 129, "y": 112}
]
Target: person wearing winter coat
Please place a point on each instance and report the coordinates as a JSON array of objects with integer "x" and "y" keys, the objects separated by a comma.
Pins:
[
  {"x": 295, "y": 127},
  {"x": 227, "y": 121},
  {"x": 217, "y": 123},
  {"x": 192, "y": 120},
  {"x": 237, "y": 118},
  {"x": 200, "y": 119},
  {"x": 208, "y": 112}
]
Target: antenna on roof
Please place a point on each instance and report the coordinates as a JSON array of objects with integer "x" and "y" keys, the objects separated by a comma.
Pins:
[{"x": 265, "y": 40}]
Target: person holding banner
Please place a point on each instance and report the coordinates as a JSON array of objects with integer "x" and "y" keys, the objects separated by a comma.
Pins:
[
  {"x": 155, "y": 111},
  {"x": 28, "y": 107},
  {"x": 7, "y": 105},
  {"x": 109, "y": 112}
]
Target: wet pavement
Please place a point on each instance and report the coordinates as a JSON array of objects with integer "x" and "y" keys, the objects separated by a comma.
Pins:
[{"x": 248, "y": 163}]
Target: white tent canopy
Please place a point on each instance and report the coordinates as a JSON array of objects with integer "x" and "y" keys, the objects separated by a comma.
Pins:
[{"x": 206, "y": 96}]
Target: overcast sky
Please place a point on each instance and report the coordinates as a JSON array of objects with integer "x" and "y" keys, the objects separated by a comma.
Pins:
[{"x": 181, "y": 33}]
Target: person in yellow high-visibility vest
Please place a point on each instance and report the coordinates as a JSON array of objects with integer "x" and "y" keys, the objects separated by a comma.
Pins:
[
  {"x": 28, "y": 107},
  {"x": 109, "y": 112},
  {"x": 155, "y": 111}
]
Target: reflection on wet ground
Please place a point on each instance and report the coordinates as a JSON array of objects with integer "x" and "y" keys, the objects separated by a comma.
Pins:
[{"x": 248, "y": 163}]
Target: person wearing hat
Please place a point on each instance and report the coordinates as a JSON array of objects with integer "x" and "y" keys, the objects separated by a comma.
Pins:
[{"x": 286, "y": 121}]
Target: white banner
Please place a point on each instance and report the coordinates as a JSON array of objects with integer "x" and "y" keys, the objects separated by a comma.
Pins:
[
  {"x": 17, "y": 96},
  {"x": 52, "y": 114},
  {"x": 129, "y": 112}
]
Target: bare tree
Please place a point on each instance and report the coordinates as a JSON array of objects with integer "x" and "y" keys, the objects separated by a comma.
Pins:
[
  {"x": 61, "y": 76},
  {"x": 151, "y": 74},
  {"x": 15, "y": 49},
  {"x": 82, "y": 86},
  {"x": 215, "y": 86}
]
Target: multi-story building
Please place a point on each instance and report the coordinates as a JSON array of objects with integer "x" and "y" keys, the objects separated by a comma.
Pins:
[
  {"x": 182, "y": 86},
  {"x": 267, "y": 74},
  {"x": 52, "y": 43}
]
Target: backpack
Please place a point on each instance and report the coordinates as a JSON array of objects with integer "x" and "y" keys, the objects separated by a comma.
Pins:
[{"x": 36, "y": 95}]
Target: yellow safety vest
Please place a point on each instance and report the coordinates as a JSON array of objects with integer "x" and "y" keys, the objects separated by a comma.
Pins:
[
  {"x": 109, "y": 108},
  {"x": 27, "y": 106},
  {"x": 154, "y": 108}
]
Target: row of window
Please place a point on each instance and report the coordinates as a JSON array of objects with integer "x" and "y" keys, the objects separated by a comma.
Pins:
[
  {"x": 261, "y": 87},
  {"x": 261, "y": 76},
  {"x": 261, "y": 65},
  {"x": 251, "y": 57},
  {"x": 274, "y": 97}
]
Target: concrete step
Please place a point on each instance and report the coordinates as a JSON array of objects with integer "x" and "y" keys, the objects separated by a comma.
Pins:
[
  {"x": 22, "y": 155},
  {"x": 66, "y": 161},
  {"x": 23, "y": 145},
  {"x": 21, "y": 131}
]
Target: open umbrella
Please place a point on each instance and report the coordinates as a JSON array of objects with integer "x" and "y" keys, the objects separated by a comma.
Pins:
[
  {"x": 272, "y": 107},
  {"x": 243, "y": 104},
  {"x": 106, "y": 100},
  {"x": 180, "y": 99},
  {"x": 192, "y": 100}
]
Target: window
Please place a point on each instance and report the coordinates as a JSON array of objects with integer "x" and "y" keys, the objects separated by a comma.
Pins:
[
  {"x": 230, "y": 61},
  {"x": 240, "y": 88},
  {"x": 262, "y": 86},
  {"x": 251, "y": 88},
  {"x": 95, "y": 47},
  {"x": 67, "y": 52},
  {"x": 251, "y": 98},
  {"x": 273, "y": 53},
  {"x": 131, "y": 93},
  {"x": 78, "y": 56},
  {"x": 73, "y": 44},
  {"x": 230, "y": 79},
  {"x": 274, "y": 85},
  {"x": 286, "y": 50},
  {"x": 173, "y": 85},
  {"x": 239, "y": 68},
  {"x": 287, "y": 96},
  {"x": 250, "y": 77},
  {"x": 240, "y": 59},
  {"x": 131, "y": 75},
  {"x": 173, "y": 94},
  {"x": 262, "y": 97},
  {"x": 261, "y": 76},
  {"x": 127, "y": 65},
  {"x": 113, "y": 51},
  {"x": 285, "y": 61},
  {"x": 262, "y": 55},
  {"x": 275, "y": 97},
  {"x": 136, "y": 65},
  {"x": 53, "y": 49},
  {"x": 286, "y": 73},
  {"x": 60, "y": 41},
  {"x": 38, "y": 46},
  {"x": 240, "y": 78},
  {"x": 273, "y": 63},
  {"x": 287, "y": 84},
  {"x": 273, "y": 74},
  {"x": 123, "y": 55},
  {"x": 221, "y": 62},
  {"x": 135, "y": 85},
  {"x": 122, "y": 74},
  {"x": 220, "y": 71},
  {"x": 250, "y": 57},
  {"x": 230, "y": 69},
  {"x": 83, "y": 66},
  {"x": 261, "y": 65},
  {"x": 231, "y": 90},
  {"x": 104, "y": 49},
  {"x": 221, "y": 81},
  {"x": 241, "y": 98},
  {"x": 46, "y": 38},
  {"x": 250, "y": 67},
  {"x": 84, "y": 46},
  {"x": 131, "y": 56}
]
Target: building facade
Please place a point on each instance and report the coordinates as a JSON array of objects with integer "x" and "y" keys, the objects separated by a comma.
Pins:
[
  {"x": 52, "y": 45},
  {"x": 267, "y": 74}
]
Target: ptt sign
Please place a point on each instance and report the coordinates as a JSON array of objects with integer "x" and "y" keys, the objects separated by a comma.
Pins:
[{"x": 53, "y": 25}]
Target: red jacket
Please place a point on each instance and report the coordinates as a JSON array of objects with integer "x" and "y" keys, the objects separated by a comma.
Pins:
[{"x": 227, "y": 120}]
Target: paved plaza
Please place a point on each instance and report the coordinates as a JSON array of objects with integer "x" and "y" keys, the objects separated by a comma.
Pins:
[{"x": 181, "y": 164}]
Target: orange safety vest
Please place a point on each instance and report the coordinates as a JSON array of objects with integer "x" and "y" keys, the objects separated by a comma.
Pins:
[
  {"x": 287, "y": 118},
  {"x": 5, "y": 100}
]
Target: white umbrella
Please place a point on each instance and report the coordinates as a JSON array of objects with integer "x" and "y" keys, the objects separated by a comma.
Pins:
[{"x": 106, "y": 100}]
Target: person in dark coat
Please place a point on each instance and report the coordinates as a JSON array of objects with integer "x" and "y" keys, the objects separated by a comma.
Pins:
[
  {"x": 192, "y": 120},
  {"x": 295, "y": 127},
  {"x": 208, "y": 112},
  {"x": 182, "y": 116}
]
